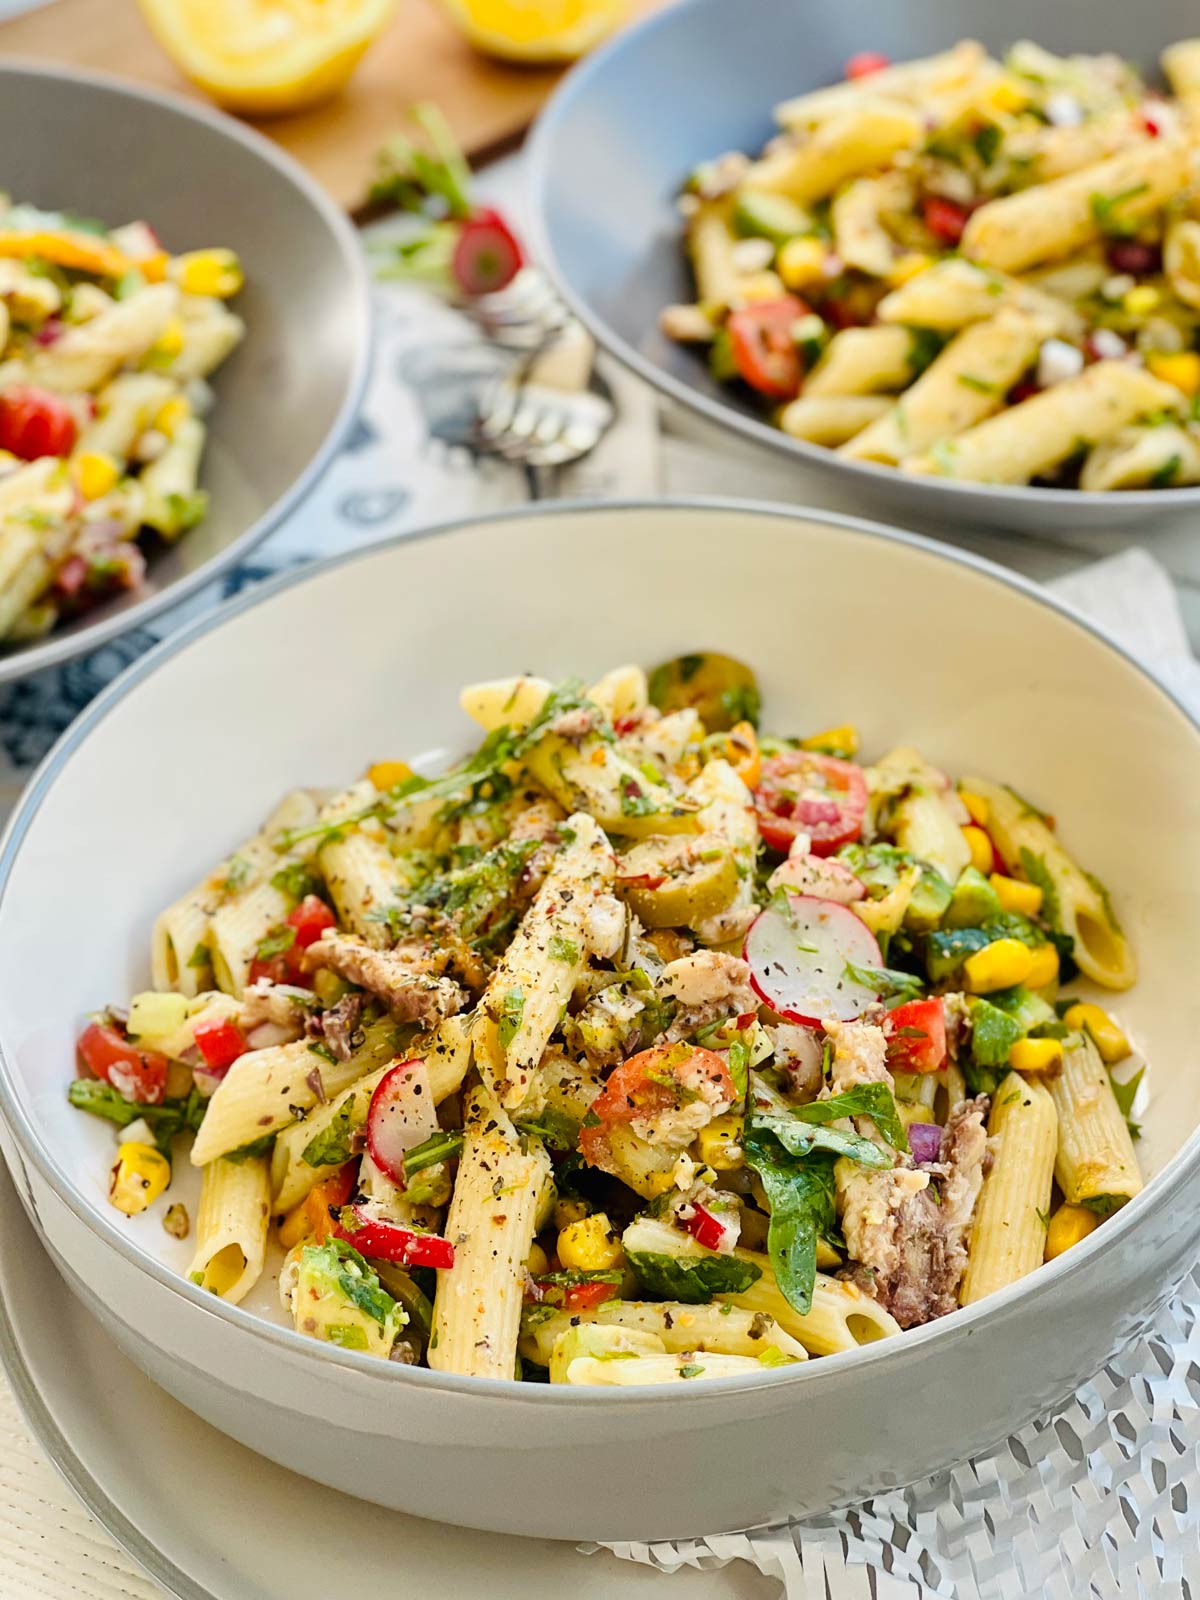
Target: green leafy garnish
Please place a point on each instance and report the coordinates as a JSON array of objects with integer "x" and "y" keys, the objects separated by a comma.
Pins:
[
  {"x": 199, "y": 958},
  {"x": 296, "y": 880},
  {"x": 1104, "y": 211},
  {"x": 690, "y": 1369},
  {"x": 563, "y": 949},
  {"x": 1125, "y": 1094},
  {"x": 276, "y": 942},
  {"x": 248, "y": 1152},
  {"x": 1168, "y": 473},
  {"x": 167, "y": 1119},
  {"x": 332, "y": 1146},
  {"x": 888, "y": 982},
  {"x": 1035, "y": 869},
  {"x": 800, "y": 1194},
  {"x": 692, "y": 1279},
  {"x": 430, "y": 1152},
  {"x": 512, "y": 1010},
  {"x": 980, "y": 385}
]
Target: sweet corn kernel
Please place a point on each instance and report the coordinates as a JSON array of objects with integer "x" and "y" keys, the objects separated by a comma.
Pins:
[
  {"x": 590, "y": 1245},
  {"x": 843, "y": 739},
  {"x": 171, "y": 414},
  {"x": 386, "y": 774},
  {"x": 1069, "y": 1225},
  {"x": 295, "y": 1226},
  {"x": 537, "y": 1263},
  {"x": 980, "y": 847},
  {"x": 169, "y": 342},
  {"x": 760, "y": 286},
  {"x": 1015, "y": 895},
  {"x": 978, "y": 808},
  {"x": 1182, "y": 368},
  {"x": 907, "y": 266},
  {"x": 96, "y": 472},
  {"x": 1141, "y": 301},
  {"x": 1036, "y": 1055},
  {"x": 998, "y": 965},
  {"x": 209, "y": 272},
  {"x": 801, "y": 262},
  {"x": 720, "y": 1144},
  {"x": 1008, "y": 95},
  {"x": 1106, "y": 1035},
  {"x": 154, "y": 268},
  {"x": 1044, "y": 969},
  {"x": 139, "y": 1177}
]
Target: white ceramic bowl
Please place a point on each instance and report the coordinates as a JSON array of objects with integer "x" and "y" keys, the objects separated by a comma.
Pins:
[{"x": 309, "y": 678}]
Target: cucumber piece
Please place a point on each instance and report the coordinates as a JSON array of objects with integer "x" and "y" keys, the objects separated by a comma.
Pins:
[
  {"x": 945, "y": 952},
  {"x": 973, "y": 902},
  {"x": 759, "y": 215}
]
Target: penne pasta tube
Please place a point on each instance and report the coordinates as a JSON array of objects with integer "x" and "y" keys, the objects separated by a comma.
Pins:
[
  {"x": 1052, "y": 219},
  {"x": 954, "y": 292},
  {"x": 859, "y": 235},
  {"x": 1041, "y": 433},
  {"x": 360, "y": 872},
  {"x": 231, "y": 1228},
  {"x": 88, "y": 355},
  {"x": 172, "y": 502},
  {"x": 491, "y": 1222},
  {"x": 1096, "y": 1165},
  {"x": 727, "y": 1330},
  {"x": 831, "y": 419},
  {"x": 866, "y": 135},
  {"x": 920, "y": 818},
  {"x": 966, "y": 383},
  {"x": 125, "y": 409},
  {"x": 1074, "y": 902},
  {"x": 1181, "y": 66},
  {"x": 710, "y": 245},
  {"x": 1181, "y": 258},
  {"x": 1162, "y": 456},
  {"x": 1008, "y": 1239},
  {"x": 865, "y": 361},
  {"x": 907, "y": 80}
]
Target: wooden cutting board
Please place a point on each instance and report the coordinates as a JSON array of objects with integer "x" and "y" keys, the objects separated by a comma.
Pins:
[{"x": 421, "y": 56}]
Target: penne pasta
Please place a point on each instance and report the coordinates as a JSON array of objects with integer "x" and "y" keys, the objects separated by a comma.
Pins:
[
  {"x": 1095, "y": 1165},
  {"x": 832, "y": 419},
  {"x": 1009, "y": 1236},
  {"x": 231, "y": 1228},
  {"x": 863, "y": 137}
]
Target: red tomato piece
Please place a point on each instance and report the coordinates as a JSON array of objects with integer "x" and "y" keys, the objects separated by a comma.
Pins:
[
  {"x": 35, "y": 422},
  {"x": 136, "y": 1075},
  {"x": 648, "y": 1083},
  {"x": 801, "y": 791},
  {"x": 1025, "y": 390},
  {"x": 766, "y": 355},
  {"x": 273, "y": 968},
  {"x": 945, "y": 219},
  {"x": 587, "y": 1296},
  {"x": 865, "y": 64},
  {"x": 917, "y": 1036},
  {"x": 487, "y": 256},
  {"x": 310, "y": 919},
  {"x": 220, "y": 1042},
  {"x": 388, "y": 1241}
]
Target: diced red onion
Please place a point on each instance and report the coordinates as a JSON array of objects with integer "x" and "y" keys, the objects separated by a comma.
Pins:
[{"x": 925, "y": 1141}]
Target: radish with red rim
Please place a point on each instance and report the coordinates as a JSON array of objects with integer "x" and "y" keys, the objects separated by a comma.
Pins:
[
  {"x": 799, "y": 951},
  {"x": 402, "y": 1114}
]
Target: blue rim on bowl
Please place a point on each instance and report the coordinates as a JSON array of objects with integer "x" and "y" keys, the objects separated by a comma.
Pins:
[
  {"x": 109, "y": 622},
  {"x": 1157, "y": 1194}
]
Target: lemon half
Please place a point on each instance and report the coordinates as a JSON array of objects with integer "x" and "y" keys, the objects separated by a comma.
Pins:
[
  {"x": 536, "y": 30},
  {"x": 265, "y": 57}
]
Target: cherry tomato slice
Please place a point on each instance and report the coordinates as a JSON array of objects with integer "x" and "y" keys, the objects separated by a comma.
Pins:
[
  {"x": 944, "y": 218},
  {"x": 310, "y": 919},
  {"x": 35, "y": 422},
  {"x": 136, "y": 1075},
  {"x": 220, "y": 1041},
  {"x": 865, "y": 64},
  {"x": 766, "y": 355},
  {"x": 801, "y": 791},
  {"x": 916, "y": 1036},
  {"x": 646, "y": 1084},
  {"x": 587, "y": 1296}
]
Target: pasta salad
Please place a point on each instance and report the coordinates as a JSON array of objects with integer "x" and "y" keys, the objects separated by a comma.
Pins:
[
  {"x": 967, "y": 268},
  {"x": 105, "y": 343},
  {"x": 636, "y": 1047}
]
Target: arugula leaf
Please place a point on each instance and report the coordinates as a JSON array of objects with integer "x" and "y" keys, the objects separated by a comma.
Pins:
[
  {"x": 553, "y": 1128},
  {"x": 563, "y": 949},
  {"x": 511, "y": 1012},
  {"x": 1125, "y": 1094},
  {"x": 247, "y": 1152},
  {"x": 332, "y": 1146},
  {"x": 276, "y": 942},
  {"x": 1035, "y": 869},
  {"x": 296, "y": 880},
  {"x": 438, "y": 1147},
  {"x": 800, "y": 1194},
  {"x": 888, "y": 982},
  {"x": 874, "y": 1100},
  {"x": 801, "y": 1138},
  {"x": 168, "y": 1118},
  {"x": 692, "y": 1279}
]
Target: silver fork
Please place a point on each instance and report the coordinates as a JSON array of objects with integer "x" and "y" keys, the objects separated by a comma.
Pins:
[
  {"x": 522, "y": 316},
  {"x": 552, "y": 408}
]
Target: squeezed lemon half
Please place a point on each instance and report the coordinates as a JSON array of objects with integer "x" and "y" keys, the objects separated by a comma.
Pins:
[
  {"x": 536, "y": 30},
  {"x": 265, "y": 57}
]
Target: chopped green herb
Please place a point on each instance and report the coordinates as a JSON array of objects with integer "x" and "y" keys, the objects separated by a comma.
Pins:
[
  {"x": 690, "y": 1369},
  {"x": 276, "y": 942},
  {"x": 563, "y": 949},
  {"x": 1168, "y": 473},
  {"x": 511, "y": 1013},
  {"x": 980, "y": 385},
  {"x": 199, "y": 958}
]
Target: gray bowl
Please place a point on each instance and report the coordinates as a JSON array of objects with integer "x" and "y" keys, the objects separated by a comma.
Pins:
[
  {"x": 287, "y": 395},
  {"x": 621, "y": 134}
]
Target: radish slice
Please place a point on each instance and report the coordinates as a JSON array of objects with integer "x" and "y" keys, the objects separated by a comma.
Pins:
[
  {"x": 798, "y": 958},
  {"x": 401, "y": 1115},
  {"x": 824, "y": 877}
]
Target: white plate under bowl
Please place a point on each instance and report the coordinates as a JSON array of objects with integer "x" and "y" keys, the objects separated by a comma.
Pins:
[
  {"x": 210, "y": 1520},
  {"x": 363, "y": 658}
]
